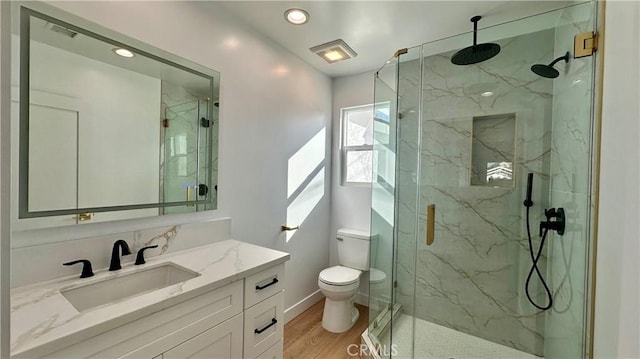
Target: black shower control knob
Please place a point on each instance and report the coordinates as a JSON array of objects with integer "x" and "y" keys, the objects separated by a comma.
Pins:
[{"x": 549, "y": 213}]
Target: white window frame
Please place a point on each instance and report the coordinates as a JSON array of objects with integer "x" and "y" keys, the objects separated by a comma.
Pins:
[{"x": 344, "y": 149}]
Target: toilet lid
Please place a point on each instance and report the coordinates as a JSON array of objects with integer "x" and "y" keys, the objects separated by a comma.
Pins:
[
  {"x": 339, "y": 275},
  {"x": 376, "y": 276}
]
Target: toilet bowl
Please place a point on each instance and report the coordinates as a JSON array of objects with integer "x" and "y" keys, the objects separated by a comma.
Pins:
[{"x": 340, "y": 283}]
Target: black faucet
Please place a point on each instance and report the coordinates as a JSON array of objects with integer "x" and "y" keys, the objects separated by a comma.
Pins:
[
  {"x": 140, "y": 257},
  {"x": 87, "y": 271},
  {"x": 115, "y": 255}
]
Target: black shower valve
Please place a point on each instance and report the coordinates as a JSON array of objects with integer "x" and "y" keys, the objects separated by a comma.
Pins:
[
  {"x": 550, "y": 213},
  {"x": 555, "y": 221}
]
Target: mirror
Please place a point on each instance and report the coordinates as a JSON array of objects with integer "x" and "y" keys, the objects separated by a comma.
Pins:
[{"x": 109, "y": 128}]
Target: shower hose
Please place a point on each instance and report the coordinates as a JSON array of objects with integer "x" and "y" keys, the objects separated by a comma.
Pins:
[{"x": 534, "y": 267}]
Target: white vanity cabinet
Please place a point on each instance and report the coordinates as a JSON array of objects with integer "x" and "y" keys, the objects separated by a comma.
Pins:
[
  {"x": 244, "y": 319},
  {"x": 233, "y": 308},
  {"x": 264, "y": 313}
]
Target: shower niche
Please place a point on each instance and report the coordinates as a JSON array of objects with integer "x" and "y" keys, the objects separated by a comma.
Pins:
[{"x": 493, "y": 140}]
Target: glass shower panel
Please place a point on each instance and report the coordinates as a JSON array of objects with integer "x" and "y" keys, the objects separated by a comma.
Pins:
[
  {"x": 179, "y": 168},
  {"x": 482, "y": 129},
  {"x": 382, "y": 207},
  {"x": 212, "y": 160},
  {"x": 495, "y": 115},
  {"x": 204, "y": 173},
  {"x": 407, "y": 174},
  {"x": 566, "y": 324}
]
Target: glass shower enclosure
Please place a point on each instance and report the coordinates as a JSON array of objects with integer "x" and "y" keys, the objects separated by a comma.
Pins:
[
  {"x": 186, "y": 150},
  {"x": 454, "y": 150}
]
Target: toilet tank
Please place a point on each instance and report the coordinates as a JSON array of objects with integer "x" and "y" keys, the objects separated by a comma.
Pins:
[{"x": 353, "y": 248}]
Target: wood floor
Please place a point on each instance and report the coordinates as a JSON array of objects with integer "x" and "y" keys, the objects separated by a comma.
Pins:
[{"x": 304, "y": 337}]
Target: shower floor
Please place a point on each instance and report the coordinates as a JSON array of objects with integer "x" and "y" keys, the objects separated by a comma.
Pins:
[{"x": 436, "y": 341}]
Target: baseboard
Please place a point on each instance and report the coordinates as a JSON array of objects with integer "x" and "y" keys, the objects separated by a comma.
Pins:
[{"x": 302, "y": 305}]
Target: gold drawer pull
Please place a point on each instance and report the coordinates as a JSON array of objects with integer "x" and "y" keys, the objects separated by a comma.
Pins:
[{"x": 431, "y": 223}]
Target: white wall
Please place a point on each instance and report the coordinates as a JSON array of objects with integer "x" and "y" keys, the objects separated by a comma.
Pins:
[
  {"x": 271, "y": 104},
  {"x": 617, "y": 318},
  {"x": 350, "y": 205}
]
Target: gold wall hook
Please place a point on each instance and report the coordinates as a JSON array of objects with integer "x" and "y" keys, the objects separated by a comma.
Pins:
[{"x": 287, "y": 228}]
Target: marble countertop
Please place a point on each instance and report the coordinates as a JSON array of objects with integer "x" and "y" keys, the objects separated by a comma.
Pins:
[{"x": 42, "y": 318}]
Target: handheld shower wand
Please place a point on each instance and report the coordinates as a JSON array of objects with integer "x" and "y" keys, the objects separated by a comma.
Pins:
[
  {"x": 535, "y": 258},
  {"x": 527, "y": 202}
]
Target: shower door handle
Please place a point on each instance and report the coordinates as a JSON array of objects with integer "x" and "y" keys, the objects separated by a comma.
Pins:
[
  {"x": 431, "y": 223},
  {"x": 189, "y": 196}
]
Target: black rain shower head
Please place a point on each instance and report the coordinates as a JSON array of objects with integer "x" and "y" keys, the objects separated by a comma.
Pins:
[
  {"x": 549, "y": 71},
  {"x": 477, "y": 52}
]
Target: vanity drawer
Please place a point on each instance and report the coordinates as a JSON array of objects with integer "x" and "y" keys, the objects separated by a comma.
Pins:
[
  {"x": 158, "y": 332},
  {"x": 275, "y": 352},
  {"x": 263, "y": 285},
  {"x": 221, "y": 341},
  {"x": 263, "y": 325}
]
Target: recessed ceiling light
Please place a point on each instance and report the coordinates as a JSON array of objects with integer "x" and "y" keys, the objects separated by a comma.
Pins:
[
  {"x": 296, "y": 16},
  {"x": 123, "y": 52},
  {"x": 334, "y": 51},
  {"x": 486, "y": 94}
]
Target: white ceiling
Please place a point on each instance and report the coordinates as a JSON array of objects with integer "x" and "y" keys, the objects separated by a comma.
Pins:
[{"x": 375, "y": 29}]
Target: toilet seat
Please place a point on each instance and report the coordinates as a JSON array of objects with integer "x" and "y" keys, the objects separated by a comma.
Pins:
[{"x": 339, "y": 275}]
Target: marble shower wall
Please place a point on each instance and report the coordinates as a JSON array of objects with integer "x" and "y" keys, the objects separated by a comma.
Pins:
[
  {"x": 472, "y": 278},
  {"x": 571, "y": 156}
]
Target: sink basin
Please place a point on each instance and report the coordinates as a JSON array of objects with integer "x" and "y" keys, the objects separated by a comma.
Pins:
[{"x": 125, "y": 286}]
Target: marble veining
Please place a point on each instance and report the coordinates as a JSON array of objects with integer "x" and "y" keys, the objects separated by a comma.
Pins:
[
  {"x": 472, "y": 278},
  {"x": 42, "y": 318},
  {"x": 168, "y": 236}
]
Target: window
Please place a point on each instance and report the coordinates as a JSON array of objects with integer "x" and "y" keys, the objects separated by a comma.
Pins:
[{"x": 357, "y": 144}]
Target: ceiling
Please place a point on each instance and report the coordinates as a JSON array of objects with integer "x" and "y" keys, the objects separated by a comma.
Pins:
[{"x": 374, "y": 29}]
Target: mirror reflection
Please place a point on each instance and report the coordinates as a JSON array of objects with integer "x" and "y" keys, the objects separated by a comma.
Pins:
[{"x": 109, "y": 131}]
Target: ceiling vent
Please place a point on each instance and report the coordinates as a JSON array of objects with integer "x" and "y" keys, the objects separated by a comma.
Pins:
[{"x": 334, "y": 51}]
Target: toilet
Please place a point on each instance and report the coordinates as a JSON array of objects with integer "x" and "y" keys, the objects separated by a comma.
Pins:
[{"x": 340, "y": 283}]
